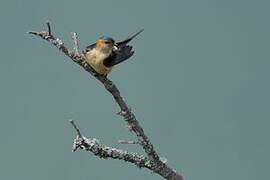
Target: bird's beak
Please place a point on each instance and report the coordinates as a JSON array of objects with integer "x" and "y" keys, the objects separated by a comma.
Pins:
[{"x": 115, "y": 47}]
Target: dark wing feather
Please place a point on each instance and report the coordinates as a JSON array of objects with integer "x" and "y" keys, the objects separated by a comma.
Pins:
[
  {"x": 121, "y": 43},
  {"x": 123, "y": 53}
]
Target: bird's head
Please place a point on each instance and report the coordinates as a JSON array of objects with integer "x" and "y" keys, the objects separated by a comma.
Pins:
[{"x": 106, "y": 44}]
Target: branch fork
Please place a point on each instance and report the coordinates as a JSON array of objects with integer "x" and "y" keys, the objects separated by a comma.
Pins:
[{"x": 151, "y": 160}]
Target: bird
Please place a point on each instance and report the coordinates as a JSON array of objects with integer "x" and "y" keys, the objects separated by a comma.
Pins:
[{"x": 106, "y": 53}]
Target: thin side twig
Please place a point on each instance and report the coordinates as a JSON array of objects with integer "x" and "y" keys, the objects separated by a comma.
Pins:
[
  {"x": 127, "y": 142},
  {"x": 158, "y": 166},
  {"x": 75, "y": 44},
  {"x": 49, "y": 27},
  {"x": 76, "y": 128}
]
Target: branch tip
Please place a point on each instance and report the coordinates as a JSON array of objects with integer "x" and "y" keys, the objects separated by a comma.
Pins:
[
  {"x": 49, "y": 27},
  {"x": 76, "y": 128},
  {"x": 32, "y": 32}
]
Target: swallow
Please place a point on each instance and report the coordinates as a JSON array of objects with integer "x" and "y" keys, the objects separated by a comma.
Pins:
[{"x": 106, "y": 53}]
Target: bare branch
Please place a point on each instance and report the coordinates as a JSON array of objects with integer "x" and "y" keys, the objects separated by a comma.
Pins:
[
  {"x": 93, "y": 145},
  {"x": 157, "y": 165}
]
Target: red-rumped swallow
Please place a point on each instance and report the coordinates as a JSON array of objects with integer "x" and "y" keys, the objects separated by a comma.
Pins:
[{"x": 106, "y": 53}]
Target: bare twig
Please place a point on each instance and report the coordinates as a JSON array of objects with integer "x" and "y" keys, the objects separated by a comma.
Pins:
[
  {"x": 76, "y": 128},
  {"x": 127, "y": 142},
  {"x": 157, "y": 166},
  {"x": 49, "y": 27},
  {"x": 75, "y": 44}
]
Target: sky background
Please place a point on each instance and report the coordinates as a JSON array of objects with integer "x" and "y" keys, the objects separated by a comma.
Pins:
[{"x": 198, "y": 83}]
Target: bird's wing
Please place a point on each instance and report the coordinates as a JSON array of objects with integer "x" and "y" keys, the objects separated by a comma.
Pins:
[
  {"x": 123, "y": 53},
  {"x": 118, "y": 56},
  {"x": 124, "y": 42}
]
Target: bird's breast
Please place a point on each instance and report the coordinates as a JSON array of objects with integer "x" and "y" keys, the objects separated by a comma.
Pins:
[{"x": 95, "y": 59}]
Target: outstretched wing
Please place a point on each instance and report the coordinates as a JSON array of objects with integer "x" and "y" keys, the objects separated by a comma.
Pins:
[
  {"x": 118, "y": 56},
  {"x": 123, "y": 53},
  {"x": 121, "y": 43}
]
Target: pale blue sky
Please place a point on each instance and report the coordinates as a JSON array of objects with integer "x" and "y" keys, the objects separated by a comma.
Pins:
[{"x": 198, "y": 83}]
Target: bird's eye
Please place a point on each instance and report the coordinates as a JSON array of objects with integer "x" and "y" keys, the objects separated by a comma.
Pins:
[{"x": 107, "y": 42}]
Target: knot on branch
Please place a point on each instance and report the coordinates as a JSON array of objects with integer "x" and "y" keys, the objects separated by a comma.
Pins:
[
  {"x": 109, "y": 85},
  {"x": 78, "y": 143}
]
